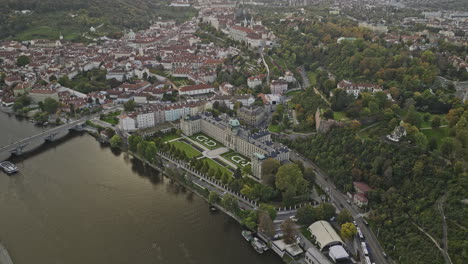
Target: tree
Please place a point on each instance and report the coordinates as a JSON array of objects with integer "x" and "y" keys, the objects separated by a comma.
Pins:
[
  {"x": 238, "y": 173},
  {"x": 150, "y": 151},
  {"x": 115, "y": 141},
  {"x": 289, "y": 231},
  {"x": 448, "y": 146},
  {"x": 265, "y": 224},
  {"x": 129, "y": 106},
  {"x": 50, "y": 105},
  {"x": 436, "y": 121},
  {"x": 22, "y": 60},
  {"x": 213, "y": 197},
  {"x": 344, "y": 217},
  {"x": 290, "y": 181},
  {"x": 348, "y": 230},
  {"x": 326, "y": 211},
  {"x": 230, "y": 203},
  {"x": 328, "y": 114},
  {"x": 306, "y": 215},
  {"x": 309, "y": 175},
  {"x": 133, "y": 142},
  {"x": 269, "y": 169},
  {"x": 270, "y": 209},
  {"x": 420, "y": 139}
]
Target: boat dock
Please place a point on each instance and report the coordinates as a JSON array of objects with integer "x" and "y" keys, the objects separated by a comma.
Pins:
[
  {"x": 4, "y": 256},
  {"x": 8, "y": 167}
]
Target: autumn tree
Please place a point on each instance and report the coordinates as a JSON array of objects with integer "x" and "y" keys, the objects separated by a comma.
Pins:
[
  {"x": 348, "y": 230},
  {"x": 265, "y": 224},
  {"x": 289, "y": 231}
]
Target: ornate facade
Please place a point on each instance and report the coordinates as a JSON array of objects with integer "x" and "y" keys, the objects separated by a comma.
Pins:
[{"x": 256, "y": 146}]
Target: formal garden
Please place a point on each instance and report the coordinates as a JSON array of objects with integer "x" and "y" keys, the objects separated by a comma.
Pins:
[
  {"x": 239, "y": 160},
  {"x": 206, "y": 141}
]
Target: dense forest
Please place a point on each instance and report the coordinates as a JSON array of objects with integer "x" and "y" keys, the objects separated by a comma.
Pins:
[
  {"x": 417, "y": 182},
  {"x": 49, "y": 18},
  {"x": 408, "y": 182}
]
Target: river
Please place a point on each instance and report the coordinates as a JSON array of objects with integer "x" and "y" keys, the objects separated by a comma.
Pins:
[{"x": 76, "y": 201}]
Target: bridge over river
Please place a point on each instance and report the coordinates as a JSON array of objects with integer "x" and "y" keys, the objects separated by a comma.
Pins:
[{"x": 49, "y": 135}]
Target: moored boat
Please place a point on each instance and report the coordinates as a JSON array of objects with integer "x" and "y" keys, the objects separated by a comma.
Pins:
[
  {"x": 258, "y": 245},
  {"x": 8, "y": 167},
  {"x": 248, "y": 235}
]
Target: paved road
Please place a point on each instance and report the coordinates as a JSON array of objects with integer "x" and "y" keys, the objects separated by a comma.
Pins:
[{"x": 339, "y": 200}]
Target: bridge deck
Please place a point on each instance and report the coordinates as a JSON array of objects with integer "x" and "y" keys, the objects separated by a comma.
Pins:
[{"x": 55, "y": 130}]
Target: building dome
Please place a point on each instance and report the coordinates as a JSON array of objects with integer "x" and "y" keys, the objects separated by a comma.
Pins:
[{"x": 234, "y": 123}]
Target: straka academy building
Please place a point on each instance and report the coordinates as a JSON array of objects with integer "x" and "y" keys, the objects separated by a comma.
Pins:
[{"x": 256, "y": 146}]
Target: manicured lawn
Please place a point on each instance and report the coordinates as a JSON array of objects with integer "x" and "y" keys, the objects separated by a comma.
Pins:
[
  {"x": 206, "y": 141},
  {"x": 239, "y": 160},
  {"x": 214, "y": 165},
  {"x": 191, "y": 152},
  {"x": 169, "y": 137}
]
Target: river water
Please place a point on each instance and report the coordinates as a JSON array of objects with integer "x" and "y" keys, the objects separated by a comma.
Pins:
[{"x": 76, "y": 201}]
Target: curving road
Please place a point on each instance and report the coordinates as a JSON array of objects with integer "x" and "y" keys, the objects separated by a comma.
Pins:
[{"x": 340, "y": 201}]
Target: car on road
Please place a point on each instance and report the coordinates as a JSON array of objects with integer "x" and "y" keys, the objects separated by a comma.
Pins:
[
  {"x": 354, "y": 222},
  {"x": 348, "y": 201},
  {"x": 384, "y": 254},
  {"x": 293, "y": 218}
]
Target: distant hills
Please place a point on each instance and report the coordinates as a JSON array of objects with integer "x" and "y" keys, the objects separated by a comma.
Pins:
[
  {"x": 32, "y": 19},
  {"x": 438, "y": 5}
]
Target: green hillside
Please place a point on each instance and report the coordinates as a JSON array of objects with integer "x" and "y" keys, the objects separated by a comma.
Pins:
[{"x": 50, "y": 18}]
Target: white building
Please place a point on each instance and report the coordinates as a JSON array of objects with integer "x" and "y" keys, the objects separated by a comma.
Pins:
[
  {"x": 356, "y": 88},
  {"x": 254, "y": 81},
  {"x": 145, "y": 119},
  {"x": 196, "y": 89},
  {"x": 257, "y": 146},
  {"x": 278, "y": 87},
  {"x": 127, "y": 123}
]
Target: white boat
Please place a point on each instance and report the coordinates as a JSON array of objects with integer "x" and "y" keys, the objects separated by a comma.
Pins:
[
  {"x": 4, "y": 256},
  {"x": 258, "y": 245},
  {"x": 8, "y": 167},
  {"x": 248, "y": 235}
]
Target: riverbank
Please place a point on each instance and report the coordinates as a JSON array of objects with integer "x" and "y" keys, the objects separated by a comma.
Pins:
[{"x": 184, "y": 184}]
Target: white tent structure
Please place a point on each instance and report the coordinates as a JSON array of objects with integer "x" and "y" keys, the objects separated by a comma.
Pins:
[
  {"x": 338, "y": 253},
  {"x": 324, "y": 234}
]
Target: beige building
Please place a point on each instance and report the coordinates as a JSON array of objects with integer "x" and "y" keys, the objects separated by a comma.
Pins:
[
  {"x": 256, "y": 146},
  {"x": 251, "y": 116}
]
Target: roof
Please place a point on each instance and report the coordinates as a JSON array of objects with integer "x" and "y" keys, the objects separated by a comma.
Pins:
[
  {"x": 362, "y": 186},
  {"x": 234, "y": 123},
  {"x": 196, "y": 87},
  {"x": 338, "y": 252},
  {"x": 324, "y": 234},
  {"x": 317, "y": 256},
  {"x": 361, "y": 197}
]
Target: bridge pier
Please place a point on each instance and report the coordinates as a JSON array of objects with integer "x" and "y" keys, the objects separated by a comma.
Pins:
[
  {"x": 18, "y": 150},
  {"x": 78, "y": 127},
  {"x": 50, "y": 137}
]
